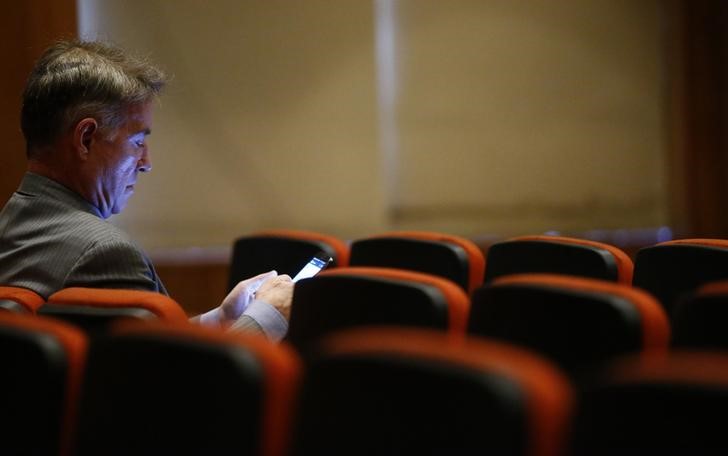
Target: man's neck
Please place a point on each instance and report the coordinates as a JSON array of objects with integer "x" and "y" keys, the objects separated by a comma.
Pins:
[
  {"x": 57, "y": 172},
  {"x": 50, "y": 171}
]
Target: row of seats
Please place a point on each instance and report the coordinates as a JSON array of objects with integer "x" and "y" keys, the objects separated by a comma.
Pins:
[
  {"x": 667, "y": 270},
  {"x": 453, "y": 257},
  {"x": 166, "y": 388},
  {"x": 577, "y": 322},
  {"x": 91, "y": 309}
]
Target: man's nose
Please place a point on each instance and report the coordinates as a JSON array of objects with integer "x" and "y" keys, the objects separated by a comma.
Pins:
[{"x": 145, "y": 163}]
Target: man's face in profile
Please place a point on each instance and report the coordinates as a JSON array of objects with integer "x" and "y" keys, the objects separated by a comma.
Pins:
[{"x": 119, "y": 156}]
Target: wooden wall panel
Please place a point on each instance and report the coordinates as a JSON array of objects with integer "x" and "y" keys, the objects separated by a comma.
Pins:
[
  {"x": 26, "y": 28},
  {"x": 698, "y": 120},
  {"x": 197, "y": 287}
]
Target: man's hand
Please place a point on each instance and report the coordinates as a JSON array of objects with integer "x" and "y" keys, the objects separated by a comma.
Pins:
[
  {"x": 271, "y": 288},
  {"x": 240, "y": 297},
  {"x": 278, "y": 292}
]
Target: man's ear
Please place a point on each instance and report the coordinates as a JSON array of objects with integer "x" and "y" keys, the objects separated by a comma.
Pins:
[{"x": 84, "y": 135}]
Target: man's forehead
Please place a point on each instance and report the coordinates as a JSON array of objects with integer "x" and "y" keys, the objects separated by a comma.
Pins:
[{"x": 139, "y": 118}]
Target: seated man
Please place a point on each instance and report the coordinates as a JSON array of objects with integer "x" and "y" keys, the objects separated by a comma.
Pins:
[{"x": 87, "y": 109}]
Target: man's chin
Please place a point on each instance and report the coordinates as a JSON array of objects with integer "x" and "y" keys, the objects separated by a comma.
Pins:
[{"x": 119, "y": 206}]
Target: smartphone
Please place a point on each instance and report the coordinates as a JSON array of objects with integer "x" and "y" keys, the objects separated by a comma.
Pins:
[{"x": 316, "y": 264}]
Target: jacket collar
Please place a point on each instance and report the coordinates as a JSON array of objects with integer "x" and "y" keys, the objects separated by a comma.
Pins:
[{"x": 37, "y": 185}]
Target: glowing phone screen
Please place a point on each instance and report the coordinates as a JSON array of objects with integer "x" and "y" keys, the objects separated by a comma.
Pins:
[{"x": 311, "y": 269}]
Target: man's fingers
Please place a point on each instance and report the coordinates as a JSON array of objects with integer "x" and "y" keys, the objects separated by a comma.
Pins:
[
  {"x": 252, "y": 284},
  {"x": 276, "y": 281},
  {"x": 258, "y": 280},
  {"x": 266, "y": 275}
]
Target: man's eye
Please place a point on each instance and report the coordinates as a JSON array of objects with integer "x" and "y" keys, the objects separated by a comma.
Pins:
[{"x": 139, "y": 143}]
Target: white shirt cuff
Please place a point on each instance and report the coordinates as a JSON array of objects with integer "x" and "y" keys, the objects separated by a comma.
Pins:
[{"x": 274, "y": 324}]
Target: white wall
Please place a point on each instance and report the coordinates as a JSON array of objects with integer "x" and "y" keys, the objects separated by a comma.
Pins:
[
  {"x": 505, "y": 118},
  {"x": 525, "y": 116}
]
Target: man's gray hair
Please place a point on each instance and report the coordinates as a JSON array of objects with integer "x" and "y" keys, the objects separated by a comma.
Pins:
[{"x": 73, "y": 80}]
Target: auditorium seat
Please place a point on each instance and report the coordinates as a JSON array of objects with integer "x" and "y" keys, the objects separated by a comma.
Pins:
[
  {"x": 577, "y": 322},
  {"x": 94, "y": 309},
  {"x": 362, "y": 296},
  {"x": 452, "y": 257},
  {"x": 155, "y": 388},
  {"x": 393, "y": 391},
  {"x": 701, "y": 318},
  {"x": 42, "y": 364},
  {"x": 672, "y": 405},
  {"x": 558, "y": 255},
  {"x": 285, "y": 251},
  {"x": 21, "y": 300},
  {"x": 670, "y": 270}
]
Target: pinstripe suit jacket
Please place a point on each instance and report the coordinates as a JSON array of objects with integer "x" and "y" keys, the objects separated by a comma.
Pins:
[{"x": 52, "y": 238}]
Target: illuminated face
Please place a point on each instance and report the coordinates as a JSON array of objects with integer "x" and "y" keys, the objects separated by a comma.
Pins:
[{"x": 118, "y": 158}]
